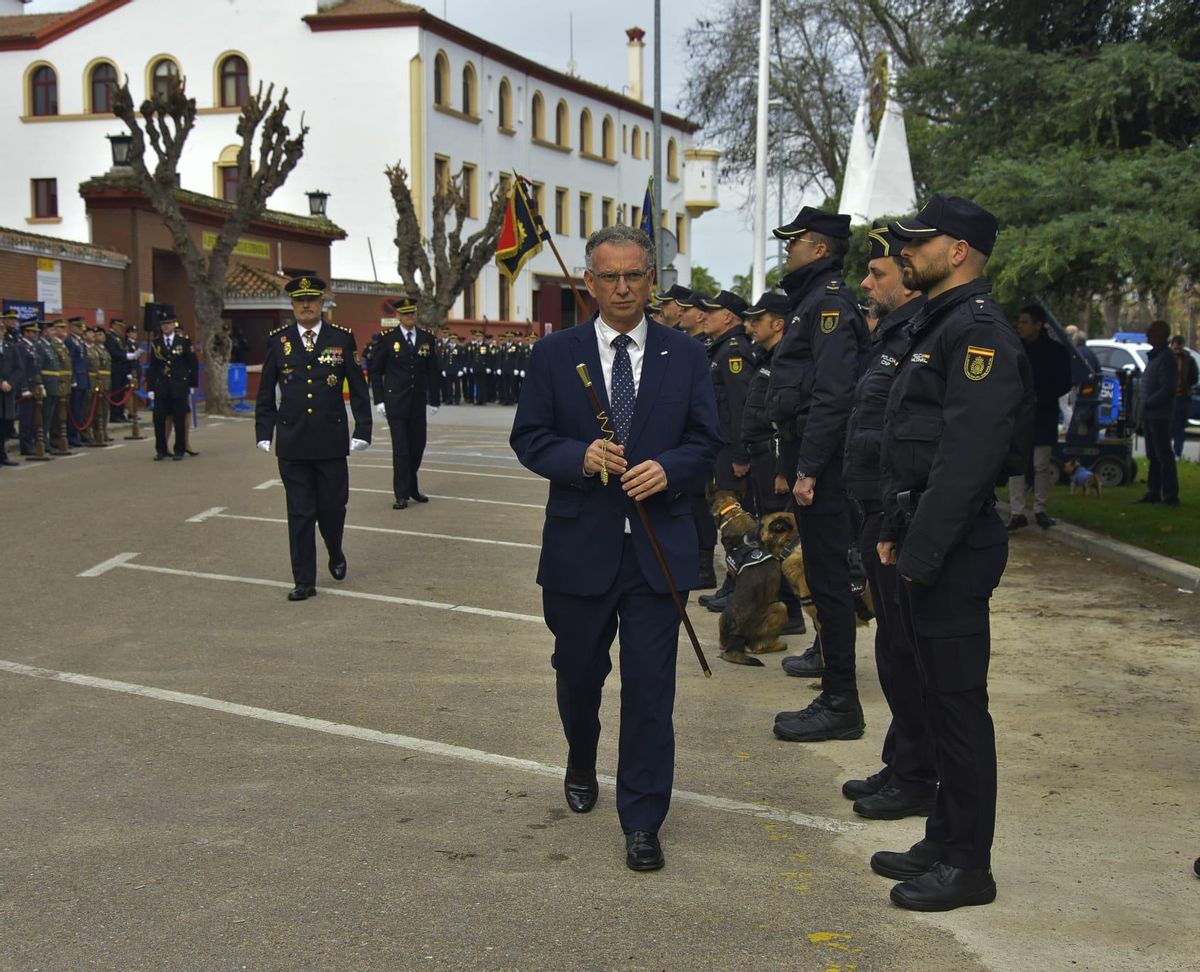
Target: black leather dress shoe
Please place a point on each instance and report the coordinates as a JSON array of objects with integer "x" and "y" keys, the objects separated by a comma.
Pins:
[
  {"x": 854, "y": 789},
  {"x": 178, "y": 457},
  {"x": 809, "y": 664},
  {"x": 894, "y": 803},
  {"x": 8, "y": 462},
  {"x": 721, "y": 592},
  {"x": 906, "y": 865},
  {"x": 420, "y": 498},
  {"x": 581, "y": 789},
  {"x": 826, "y": 717},
  {"x": 643, "y": 852},
  {"x": 299, "y": 593},
  {"x": 159, "y": 457},
  {"x": 944, "y": 888},
  {"x": 337, "y": 568},
  {"x": 401, "y": 504}
]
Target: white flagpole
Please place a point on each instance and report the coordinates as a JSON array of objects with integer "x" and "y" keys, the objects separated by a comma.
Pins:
[{"x": 759, "y": 275}]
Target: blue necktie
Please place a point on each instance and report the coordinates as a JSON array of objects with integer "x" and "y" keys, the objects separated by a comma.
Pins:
[{"x": 623, "y": 393}]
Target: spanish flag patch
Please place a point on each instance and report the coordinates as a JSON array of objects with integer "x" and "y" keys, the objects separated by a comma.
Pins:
[
  {"x": 829, "y": 321},
  {"x": 978, "y": 363}
]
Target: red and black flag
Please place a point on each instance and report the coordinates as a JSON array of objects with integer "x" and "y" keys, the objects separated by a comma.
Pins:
[{"x": 520, "y": 236}]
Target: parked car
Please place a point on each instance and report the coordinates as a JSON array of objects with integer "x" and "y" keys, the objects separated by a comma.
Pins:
[{"x": 1123, "y": 354}]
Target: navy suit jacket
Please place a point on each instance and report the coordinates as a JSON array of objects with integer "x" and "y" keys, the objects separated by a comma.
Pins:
[{"x": 674, "y": 422}]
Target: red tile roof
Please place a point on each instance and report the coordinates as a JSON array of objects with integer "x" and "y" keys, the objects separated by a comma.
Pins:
[
  {"x": 31, "y": 31},
  {"x": 52, "y": 246},
  {"x": 246, "y": 281}
]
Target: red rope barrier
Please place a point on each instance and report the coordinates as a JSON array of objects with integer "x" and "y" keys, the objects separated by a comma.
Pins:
[
  {"x": 91, "y": 415},
  {"x": 124, "y": 398}
]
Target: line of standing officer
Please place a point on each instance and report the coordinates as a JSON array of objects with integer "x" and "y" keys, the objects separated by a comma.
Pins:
[
  {"x": 405, "y": 382},
  {"x": 956, "y": 415},
  {"x": 814, "y": 371},
  {"x": 173, "y": 372},
  {"x": 12, "y": 382}
]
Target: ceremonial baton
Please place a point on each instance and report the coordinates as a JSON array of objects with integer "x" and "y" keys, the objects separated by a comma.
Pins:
[{"x": 610, "y": 436}]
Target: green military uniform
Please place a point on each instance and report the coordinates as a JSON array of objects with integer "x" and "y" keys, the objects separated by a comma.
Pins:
[
  {"x": 58, "y": 434},
  {"x": 100, "y": 373}
]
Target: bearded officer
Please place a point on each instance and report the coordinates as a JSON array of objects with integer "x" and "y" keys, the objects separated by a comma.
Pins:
[
  {"x": 956, "y": 415},
  {"x": 309, "y": 361},
  {"x": 405, "y": 384}
]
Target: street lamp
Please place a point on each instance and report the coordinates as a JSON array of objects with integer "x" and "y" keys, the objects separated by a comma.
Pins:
[
  {"x": 120, "y": 144},
  {"x": 316, "y": 202}
]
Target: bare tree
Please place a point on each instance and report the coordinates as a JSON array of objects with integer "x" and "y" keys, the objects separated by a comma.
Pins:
[
  {"x": 821, "y": 55},
  {"x": 436, "y": 270},
  {"x": 165, "y": 123}
]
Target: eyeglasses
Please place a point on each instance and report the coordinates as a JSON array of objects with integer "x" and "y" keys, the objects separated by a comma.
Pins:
[
  {"x": 804, "y": 239},
  {"x": 630, "y": 277}
]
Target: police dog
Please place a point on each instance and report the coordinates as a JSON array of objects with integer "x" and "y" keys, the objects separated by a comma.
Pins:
[
  {"x": 1082, "y": 479},
  {"x": 781, "y": 538},
  {"x": 754, "y": 615}
]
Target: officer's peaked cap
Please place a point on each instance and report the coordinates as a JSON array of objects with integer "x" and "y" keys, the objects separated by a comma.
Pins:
[
  {"x": 724, "y": 300},
  {"x": 952, "y": 216},
  {"x": 809, "y": 220},
  {"x": 299, "y": 288},
  {"x": 675, "y": 292},
  {"x": 773, "y": 302},
  {"x": 882, "y": 243}
]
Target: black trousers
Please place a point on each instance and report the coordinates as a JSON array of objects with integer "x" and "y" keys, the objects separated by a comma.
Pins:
[
  {"x": 706, "y": 526},
  {"x": 317, "y": 493},
  {"x": 6, "y": 427},
  {"x": 26, "y": 410},
  {"x": 825, "y": 537},
  {"x": 949, "y": 624},
  {"x": 908, "y": 744},
  {"x": 408, "y": 448},
  {"x": 1162, "y": 476},
  {"x": 583, "y": 629},
  {"x": 762, "y": 483},
  {"x": 170, "y": 400}
]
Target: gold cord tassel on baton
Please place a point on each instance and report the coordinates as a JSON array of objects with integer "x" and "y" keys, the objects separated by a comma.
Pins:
[{"x": 609, "y": 435}]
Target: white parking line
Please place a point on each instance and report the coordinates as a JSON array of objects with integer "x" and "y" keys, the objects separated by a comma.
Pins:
[
  {"x": 412, "y": 744},
  {"x": 387, "y": 492},
  {"x": 216, "y": 513},
  {"x": 451, "y": 472},
  {"x": 123, "y": 561},
  {"x": 269, "y": 483}
]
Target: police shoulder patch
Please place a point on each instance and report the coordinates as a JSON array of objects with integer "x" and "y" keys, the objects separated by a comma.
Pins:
[
  {"x": 830, "y": 321},
  {"x": 735, "y": 366},
  {"x": 833, "y": 287},
  {"x": 977, "y": 365}
]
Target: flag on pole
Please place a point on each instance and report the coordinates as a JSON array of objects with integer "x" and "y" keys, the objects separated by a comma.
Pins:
[
  {"x": 647, "y": 223},
  {"x": 520, "y": 238}
]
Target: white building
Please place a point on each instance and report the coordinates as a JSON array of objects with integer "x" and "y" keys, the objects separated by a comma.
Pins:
[{"x": 378, "y": 82}]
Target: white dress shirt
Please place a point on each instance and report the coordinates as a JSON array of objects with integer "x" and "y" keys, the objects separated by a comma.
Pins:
[
  {"x": 316, "y": 332},
  {"x": 605, "y": 336}
]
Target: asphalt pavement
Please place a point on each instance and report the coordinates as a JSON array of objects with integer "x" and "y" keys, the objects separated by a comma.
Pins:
[{"x": 197, "y": 774}]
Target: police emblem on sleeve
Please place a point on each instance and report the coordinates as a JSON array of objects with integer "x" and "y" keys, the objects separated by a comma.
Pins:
[
  {"x": 978, "y": 363},
  {"x": 830, "y": 321},
  {"x": 735, "y": 366}
]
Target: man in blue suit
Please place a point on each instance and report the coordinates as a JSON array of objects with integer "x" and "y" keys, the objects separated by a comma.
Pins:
[{"x": 598, "y": 572}]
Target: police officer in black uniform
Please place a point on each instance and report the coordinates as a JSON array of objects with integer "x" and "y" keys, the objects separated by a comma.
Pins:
[
  {"x": 668, "y": 307},
  {"x": 404, "y": 381},
  {"x": 813, "y": 374},
  {"x": 309, "y": 361},
  {"x": 956, "y": 412},
  {"x": 765, "y": 322},
  {"x": 907, "y": 783},
  {"x": 172, "y": 373}
]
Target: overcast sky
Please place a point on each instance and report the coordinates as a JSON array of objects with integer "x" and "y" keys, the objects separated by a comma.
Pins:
[{"x": 542, "y": 31}]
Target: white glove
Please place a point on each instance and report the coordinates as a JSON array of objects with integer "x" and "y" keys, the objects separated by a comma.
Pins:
[
  {"x": 521, "y": 373},
  {"x": 381, "y": 408},
  {"x": 150, "y": 395},
  {"x": 358, "y": 445},
  {"x": 194, "y": 390},
  {"x": 132, "y": 355},
  {"x": 265, "y": 445},
  {"x": 430, "y": 411}
]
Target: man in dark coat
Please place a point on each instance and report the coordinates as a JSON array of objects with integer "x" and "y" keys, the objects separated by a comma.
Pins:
[
  {"x": 173, "y": 373},
  {"x": 405, "y": 381},
  {"x": 12, "y": 383},
  {"x": 1157, "y": 396},
  {"x": 1051, "y": 363},
  {"x": 309, "y": 361}
]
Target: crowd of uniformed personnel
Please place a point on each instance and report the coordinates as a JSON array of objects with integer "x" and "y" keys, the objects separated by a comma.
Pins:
[
  {"x": 884, "y": 429},
  {"x": 62, "y": 383}
]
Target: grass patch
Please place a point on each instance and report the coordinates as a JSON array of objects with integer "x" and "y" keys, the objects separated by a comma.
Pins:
[{"x": 1173, "y": 531}]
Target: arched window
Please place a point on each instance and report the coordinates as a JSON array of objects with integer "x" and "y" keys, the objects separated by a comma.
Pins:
[
  {"x": 43, "y": 91},
  {"x": 505, "y": 104},
  {"x": 235, "y": 82},
  {"x": 161, "y": 75},
  {"x": 585, "y": 131},
  {"x": 562, "y": 125},
  {"x": 537, "y": 114},
  {"x": 637, "y": 142},
  {"x": 441, "y": 80},
  {"x": 672, "y": 159},
  {"x": 102, "y": 82},
  {"x": 608, "y": 146},
  {"x": 227, "y": 174},
  {"x": 468, "y": 90}
]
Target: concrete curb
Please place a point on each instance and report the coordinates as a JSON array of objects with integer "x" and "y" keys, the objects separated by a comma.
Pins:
[{"x": 1184, "y": 577}]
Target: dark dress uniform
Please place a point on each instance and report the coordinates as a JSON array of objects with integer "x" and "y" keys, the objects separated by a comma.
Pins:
[
  {"x": 11, "y": 371},
  {"x": 173, "y": 372},
  {"x": 759, "y": 436},
  {"x": 731, "y": 360},
  {"x": 81, "y": 385},
  {"x": 31, "y": 369},
  {"x": 311, "y": 440},
  {"x": 405, "y": 378},
  {"x": 121, "y": 370},
  {"x": 910, "y": 776},
  {"x": 813, "y": 374}
]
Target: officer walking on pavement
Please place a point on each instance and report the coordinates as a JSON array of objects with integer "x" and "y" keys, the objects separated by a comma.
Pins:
[
  {"x": 405, "y": 385},
  {"x": 907, "y": 783},
  {"x": 956, "y": 415},
  {"x": 813, "y": 374},
  {"x": 172, "y": 373},
  {"x": 309, "y": 361}
]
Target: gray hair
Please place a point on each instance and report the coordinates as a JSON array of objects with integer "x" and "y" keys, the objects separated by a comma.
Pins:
[{"x": 618, "y": 234}]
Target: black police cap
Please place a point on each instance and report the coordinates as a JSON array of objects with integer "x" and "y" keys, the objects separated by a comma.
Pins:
[
  {"x": 724, "y": 300},
  {"x": 674, "y": 292},
  {"x": 951, "y": 216},
  {"x": 300, "y": 288},
  {"x": 773, "y": 302},
  {"x": 834, "y": 225},
  {"x": 883, "y": 243}
]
